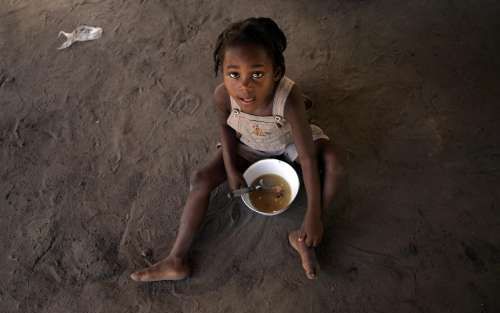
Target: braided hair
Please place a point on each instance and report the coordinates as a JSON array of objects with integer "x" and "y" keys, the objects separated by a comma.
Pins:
[{"x": 261, "y": 31}]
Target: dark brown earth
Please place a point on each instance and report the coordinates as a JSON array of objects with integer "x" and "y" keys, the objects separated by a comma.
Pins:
[{"x": 97, "y": 142}]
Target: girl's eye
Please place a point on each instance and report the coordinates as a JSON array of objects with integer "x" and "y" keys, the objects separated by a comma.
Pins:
[
  {"x": 257, "y": 75},
  {"x": 233, "y": 75}
]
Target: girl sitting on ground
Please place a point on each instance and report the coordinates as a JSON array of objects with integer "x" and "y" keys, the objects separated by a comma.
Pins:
[{"x": 261, "y": 115}]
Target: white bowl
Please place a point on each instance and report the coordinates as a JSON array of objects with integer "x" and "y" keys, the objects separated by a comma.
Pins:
[{"x": 271, "y": 166}]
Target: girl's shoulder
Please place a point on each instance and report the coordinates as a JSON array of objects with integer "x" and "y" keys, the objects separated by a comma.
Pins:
[
  {"x": 297, "y": 97},
  {"x": 295, "y": 103}
]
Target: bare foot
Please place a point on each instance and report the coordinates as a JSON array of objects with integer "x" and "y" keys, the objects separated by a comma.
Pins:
[
  {"x": 170, "y": 268},
  {"x": 307, "y": 255}
]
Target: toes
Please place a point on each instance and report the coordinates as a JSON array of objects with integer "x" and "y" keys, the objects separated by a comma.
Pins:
[
  {"x": 147, "y": 274},
  {"x": 137, "y": 276},
  {"x": 311, "y": 275},
  {"x": 134, "y": 277},
  {"x": 310, "y": 270},
  {"x": 309, "y": 266},
  {"x": 161, "y": 271}
]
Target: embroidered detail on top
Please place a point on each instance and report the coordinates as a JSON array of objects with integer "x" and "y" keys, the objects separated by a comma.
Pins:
[{"x": 257, "y": 131}]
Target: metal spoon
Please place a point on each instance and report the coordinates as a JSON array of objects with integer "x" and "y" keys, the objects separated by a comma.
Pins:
[{"x": 259, "y": 186}]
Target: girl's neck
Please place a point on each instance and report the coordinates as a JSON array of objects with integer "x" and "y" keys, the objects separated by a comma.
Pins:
[{"x": 268, "y": 110}]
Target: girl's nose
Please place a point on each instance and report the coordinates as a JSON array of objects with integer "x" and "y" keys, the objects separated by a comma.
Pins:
[{"x": 246, "y": 82}]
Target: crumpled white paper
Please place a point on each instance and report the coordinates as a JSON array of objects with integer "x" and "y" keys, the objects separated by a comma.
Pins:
[{"x": 81, "y": 33}]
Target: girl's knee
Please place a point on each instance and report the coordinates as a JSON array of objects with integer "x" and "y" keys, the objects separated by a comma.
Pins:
[
  {"x": 331, "y": 161},
  {"x": 200, "y": 180}
]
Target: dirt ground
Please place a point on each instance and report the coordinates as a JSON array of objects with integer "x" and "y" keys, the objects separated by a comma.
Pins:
[{"x": 98, "y": 140}]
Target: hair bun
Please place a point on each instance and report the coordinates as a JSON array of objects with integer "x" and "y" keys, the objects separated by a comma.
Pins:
[{"x": 271, "y": 26}]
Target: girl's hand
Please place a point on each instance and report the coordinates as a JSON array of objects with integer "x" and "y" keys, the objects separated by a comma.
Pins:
[
  {"x": 311, "y": 231},
  {"x": 236, "y": 181}
]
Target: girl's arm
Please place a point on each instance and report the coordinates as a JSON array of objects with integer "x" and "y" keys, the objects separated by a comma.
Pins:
[
  {"x": 228, "y": 138},
  {"x": 295, "y": 114}
]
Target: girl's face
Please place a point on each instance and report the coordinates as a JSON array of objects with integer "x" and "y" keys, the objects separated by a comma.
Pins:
[{"x": 249, "y": 76}]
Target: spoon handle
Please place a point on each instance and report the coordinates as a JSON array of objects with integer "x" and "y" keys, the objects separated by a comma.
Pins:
[{"x": 240, "y": 192}]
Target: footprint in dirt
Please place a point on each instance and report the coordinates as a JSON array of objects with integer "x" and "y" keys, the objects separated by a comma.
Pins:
[
  {"x": 473, "y": 257},
  {"x": 352, "y": 273}
]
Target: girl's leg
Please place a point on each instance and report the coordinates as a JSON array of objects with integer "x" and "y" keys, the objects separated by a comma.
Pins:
[
  {"x": 331, "y": 169},
  {"x": 202, "y": 182}
]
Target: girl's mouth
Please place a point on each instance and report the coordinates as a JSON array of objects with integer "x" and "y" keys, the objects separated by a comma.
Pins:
[{"x": 248, "y": 100}]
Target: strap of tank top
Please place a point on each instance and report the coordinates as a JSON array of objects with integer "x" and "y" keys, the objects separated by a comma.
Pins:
[
  {"x": 235, "y": 108},
  {"x": 280, "y": 96}
]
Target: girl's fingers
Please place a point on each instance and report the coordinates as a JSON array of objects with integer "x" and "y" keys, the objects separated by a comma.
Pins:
[{"x": 309, "y": 242}]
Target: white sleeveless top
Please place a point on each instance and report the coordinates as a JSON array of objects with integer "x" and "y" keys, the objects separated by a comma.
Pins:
[{"x": 264, "y": 133}]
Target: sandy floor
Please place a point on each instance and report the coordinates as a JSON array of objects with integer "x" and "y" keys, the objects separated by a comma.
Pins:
[{"x": 97, "y": 143}]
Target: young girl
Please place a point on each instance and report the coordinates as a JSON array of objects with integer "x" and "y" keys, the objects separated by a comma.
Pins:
[{"x": 261, "y": 115}]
